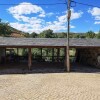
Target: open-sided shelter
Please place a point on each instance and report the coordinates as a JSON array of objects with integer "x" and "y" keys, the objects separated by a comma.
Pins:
[{"x": 87, "y": 50}]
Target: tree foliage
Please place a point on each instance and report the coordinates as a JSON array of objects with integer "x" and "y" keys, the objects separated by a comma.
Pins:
[
  {"x": 33, "y": 35},
  {"x": 98, "y": 35},
  {"x": 4, "y": 29},
  {"x": 46, "y": 34},
  {"x": 90, "y": 34}
]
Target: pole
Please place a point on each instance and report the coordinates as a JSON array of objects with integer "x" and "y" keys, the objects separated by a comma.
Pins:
[{"x": 68, "y": 28}]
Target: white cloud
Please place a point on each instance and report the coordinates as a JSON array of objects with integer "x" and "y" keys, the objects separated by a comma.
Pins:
[
  {"x": 97, "y": 17},
  {"x": 42, "y": 15},
  {"x": 62, "y": 18},
  {"x": 26, "y": 8},
  {"x": 38, "y": 23},
  {"x": 27, "y": 27},
  {"x": 95, "y": 12},
  {"x": 71, "y": 26},
  {"x": 50, "y": 14},
  {"x": 97, "y": 22},
  {"x": 75, "y": 15},
  {"x": 31, "y": 20}
]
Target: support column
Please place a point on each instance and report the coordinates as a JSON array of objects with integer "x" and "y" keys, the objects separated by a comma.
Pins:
[
  {"x": 67, "y": 60},
  {"x": 17, "y": 51},
  {"x": 52, "y": 54},
  {"x": 58, "y": 53},
  {"x": 29, "y": 58}
]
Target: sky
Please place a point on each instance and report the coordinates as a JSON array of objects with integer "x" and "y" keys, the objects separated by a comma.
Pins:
[{"x": 28, "y": 16}]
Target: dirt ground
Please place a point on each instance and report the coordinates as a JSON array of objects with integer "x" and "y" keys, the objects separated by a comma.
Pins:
[{"x": 51, "y": 86}]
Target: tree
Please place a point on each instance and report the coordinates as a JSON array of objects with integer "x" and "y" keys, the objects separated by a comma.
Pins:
[
  {"x": 62, "y": 35},
  {"x": 98, "y": 35},
  {"x": 33, "y": 35},
  {"x": 5, "y": 29},
  {"x": 90, "y": 34},
  {"x": 83, "y": 36},
  {"x": 27, "y": 35},
  {"x": 76, "y": 35},
  {"x": 47, "y": 34}
]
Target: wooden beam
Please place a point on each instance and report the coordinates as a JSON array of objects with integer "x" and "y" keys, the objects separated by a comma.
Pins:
[
  {"x": 29, "y": 58},
  {"x": 26, "y": 46},
  {"x": 58, "y": 54}
]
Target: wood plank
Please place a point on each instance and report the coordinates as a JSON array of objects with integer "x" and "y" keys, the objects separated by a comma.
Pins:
[
  {"x": 27, "y": 46},
  {"x": 34, "y": 46}
]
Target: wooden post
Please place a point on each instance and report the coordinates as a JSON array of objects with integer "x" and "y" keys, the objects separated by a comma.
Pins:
[
  {"x": 65, "y": 57},
  {"x": 58, "y": 53},
  {"x": 67, "y": 60},
  {"x": 52, "y": 54},
  {"x": 17, "y": 51},
  {"x": 29, "y": 58},
  {"x": 68, "y": 28}
]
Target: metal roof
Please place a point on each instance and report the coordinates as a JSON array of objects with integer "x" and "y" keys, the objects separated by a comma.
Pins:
[{"x": 8, "y": 41}]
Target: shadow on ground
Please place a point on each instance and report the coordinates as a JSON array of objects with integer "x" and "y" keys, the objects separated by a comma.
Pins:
[
  {"x": 84, "y": 69},
  {"x": 45, "y": 67}
]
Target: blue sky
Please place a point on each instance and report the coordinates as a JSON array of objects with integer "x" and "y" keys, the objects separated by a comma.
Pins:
[{"x": 35, "y": 18}]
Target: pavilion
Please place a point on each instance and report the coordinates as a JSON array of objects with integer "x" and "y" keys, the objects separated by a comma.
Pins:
[{"x": 87, "y": 50}]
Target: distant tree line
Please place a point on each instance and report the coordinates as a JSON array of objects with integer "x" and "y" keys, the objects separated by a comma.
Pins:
[
  {"x": 50, "y": 34},
  {"x": 6, "y": 30}
]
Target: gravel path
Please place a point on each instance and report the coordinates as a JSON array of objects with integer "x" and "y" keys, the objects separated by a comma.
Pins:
[{"x": 50, "y": 86}]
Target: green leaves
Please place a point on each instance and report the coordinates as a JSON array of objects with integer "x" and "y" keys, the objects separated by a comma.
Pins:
[
  {"x": 46, "y": 34},
  {"x": 98, "y": 35},
  {"x": 90, "y": 34},
  {"x": 5, "y": 29}
]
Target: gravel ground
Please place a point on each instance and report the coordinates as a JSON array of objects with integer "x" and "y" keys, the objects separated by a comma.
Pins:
[
  {"x": 49, "y": 83},
  {"x": 50, "y": 86}
]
